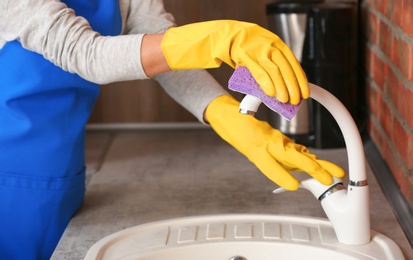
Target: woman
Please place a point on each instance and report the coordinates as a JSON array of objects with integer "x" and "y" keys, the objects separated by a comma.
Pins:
[{"x": 53, "y": 56}]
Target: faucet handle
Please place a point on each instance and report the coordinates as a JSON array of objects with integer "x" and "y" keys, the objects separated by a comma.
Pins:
[{"x": 320, "y": 191}]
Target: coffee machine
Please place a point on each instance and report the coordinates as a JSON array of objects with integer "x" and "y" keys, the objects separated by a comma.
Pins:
[{"x": 323, "y": 37}]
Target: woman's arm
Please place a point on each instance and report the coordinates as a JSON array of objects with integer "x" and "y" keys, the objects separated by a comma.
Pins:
[
  {"x": 193, "y": 89},
  {"x": 153, "y": 60},
  {"x": 53, "y": 30}
]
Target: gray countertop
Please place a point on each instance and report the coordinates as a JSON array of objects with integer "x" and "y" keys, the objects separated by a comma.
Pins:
[{"x": 138, "y": 177}]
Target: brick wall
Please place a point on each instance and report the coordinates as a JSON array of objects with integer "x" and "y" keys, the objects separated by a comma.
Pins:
[{"x": 388, "y": 49}]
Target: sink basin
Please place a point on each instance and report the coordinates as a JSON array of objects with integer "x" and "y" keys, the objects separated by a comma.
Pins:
[
  {"x": 238, "y": 237},
  {"x": 346, "y": 235}
]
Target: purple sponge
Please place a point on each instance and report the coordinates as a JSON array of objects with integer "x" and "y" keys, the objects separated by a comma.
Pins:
[{"x": 242, "y": 81}]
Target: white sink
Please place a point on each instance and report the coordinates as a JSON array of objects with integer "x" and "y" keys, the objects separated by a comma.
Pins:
[
  {"x": 247, "y": 237},
  {"x": 238, "y": 237}
]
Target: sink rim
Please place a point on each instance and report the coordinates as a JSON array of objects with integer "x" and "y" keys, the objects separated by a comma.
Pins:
[{"x": 168, "y": 233}]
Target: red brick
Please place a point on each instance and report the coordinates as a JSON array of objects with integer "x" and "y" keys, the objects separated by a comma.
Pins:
[
  {"x": 405, "y": 185},
  {"x": 377, "y": 137},
  {"x": 395, "y": 116},
  {"x": 409, "y": 67},
  {"x": 374, "y": 4},
  {"x": 404, "y": 182},
  {"x": 397, "y": 45},
  {"x": 379, "y": 70},
  {"x": 403, "y": 141},
  {"x": 388, "y": 9},
  {"x": 394, "y": 165},
  {"x": 373, "y": 131},
  {"x": 385, "y": 38},
  {"x": 369, "y": 61},
  {"x": 384, "y": 147},
  {"x": 394, "y": 45},
  {"x": 403, "y": 56},
  {"x": 390, "y": 159},
  {"x": 372, "y": 27},
  {"x": 410, "y": 197},
  {"x": 385, "y": 117},
  {"x": 408, "y": 103},
  {"x": 382, "y": 6},
  {"x": 393, "y": 89},
  {"x": 407, "y": 16},
  {"x": 395, "y": 16},
  {"x": 370, "y": 3},
  {"x": 370, "y": 129},
  {"x": 406, "y": 55},
  {"x": 409, "y": 153},
  {"x": 404, "y": 101},
  {"x": 372, "y": 99}
]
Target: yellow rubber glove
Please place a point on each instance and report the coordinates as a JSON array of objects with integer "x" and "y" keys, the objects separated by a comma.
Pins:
[
  {"x": 208, "y": 44},
  {"x": 273, "y": 153}
]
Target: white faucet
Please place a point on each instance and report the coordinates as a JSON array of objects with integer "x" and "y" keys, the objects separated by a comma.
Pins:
[{"x": 347, "y": 209}]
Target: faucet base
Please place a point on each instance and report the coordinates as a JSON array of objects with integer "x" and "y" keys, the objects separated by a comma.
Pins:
[{"x": 349, "y": 213}]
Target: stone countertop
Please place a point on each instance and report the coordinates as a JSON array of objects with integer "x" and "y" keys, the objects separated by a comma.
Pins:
[{"x": 145, "y": 176}]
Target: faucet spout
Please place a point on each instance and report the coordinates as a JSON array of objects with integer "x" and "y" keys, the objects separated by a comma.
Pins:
[
  {"x": 354, "y": 144},
  {"x": 347, "y": 209},
  {"x": 249, "y": 105}
]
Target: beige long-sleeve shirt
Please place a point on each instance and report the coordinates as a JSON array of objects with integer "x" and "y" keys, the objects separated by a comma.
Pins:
[{"x": 53, "y": 30}]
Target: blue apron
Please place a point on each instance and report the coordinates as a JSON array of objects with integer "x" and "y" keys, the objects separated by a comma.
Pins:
[{"x": 43, "y": 112}]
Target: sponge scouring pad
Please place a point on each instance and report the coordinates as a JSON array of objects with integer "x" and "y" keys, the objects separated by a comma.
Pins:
[{"x": 242, "y": 81}]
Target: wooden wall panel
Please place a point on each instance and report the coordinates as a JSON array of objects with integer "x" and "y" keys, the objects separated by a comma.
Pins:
[{"x": 145, "y": 100}]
